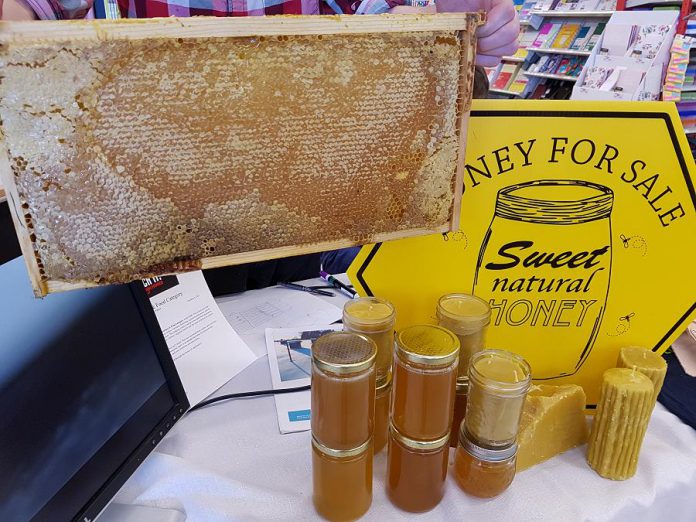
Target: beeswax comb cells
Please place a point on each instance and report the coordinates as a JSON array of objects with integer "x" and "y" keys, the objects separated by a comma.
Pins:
[{"x": 145, "y": 147}]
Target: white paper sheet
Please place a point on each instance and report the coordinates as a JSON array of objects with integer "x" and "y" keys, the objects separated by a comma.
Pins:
[
  {"x": 290, "y": 361},
  {"x": 207, "y": 352},
  {"x": 250, "y": 313}
]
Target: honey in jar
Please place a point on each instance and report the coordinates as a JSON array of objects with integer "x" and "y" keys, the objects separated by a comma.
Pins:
[
  {"x": 498, "y": 385},
  {"x": 423, "y": 388},
  {"x": 342, "y": 481},
  {"x": 374, "y": 318},
  {"x": 467, "y": 316},
  {"x": 459, "y": 411},
  {"x": 483, "y": 472},
  {"x": 382, "y": 401},
  {"x": 343, "y": 390},
  {"x": 416, "y": 471}
]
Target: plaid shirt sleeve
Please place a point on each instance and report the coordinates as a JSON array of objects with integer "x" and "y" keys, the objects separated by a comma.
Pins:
[
  {"x": 183, "y": 8},
  {"x": 69, "y": 9},
  {"x": 60, "y": 9}
]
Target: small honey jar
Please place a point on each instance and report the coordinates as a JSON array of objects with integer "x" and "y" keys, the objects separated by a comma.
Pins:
[
  {"x": 484, "y": 472},
  {"x": 425, "y": 372},
  {"x": 460, "y": 399},
  {"x": 498, "y": 385},
  {"x": 374, "y": 318},
  {"x": 467, "y": 316},
  {"x": 343, "y": 390},
  {"x": 416, "y": 471},
  {"x": 382, "y": 401},
  {"x": 342, "y": 481}
]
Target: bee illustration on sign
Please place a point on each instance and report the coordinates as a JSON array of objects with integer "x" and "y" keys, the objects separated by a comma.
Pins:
[
  {"x": 637, "y": 242},
  {"x": 457, "y": 237},
  {"x": 545, "y": 266},
  {"x": 623, "y": 326}
]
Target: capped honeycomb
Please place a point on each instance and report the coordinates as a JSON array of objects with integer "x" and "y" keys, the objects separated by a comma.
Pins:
[{"x": 134, "y": 157}]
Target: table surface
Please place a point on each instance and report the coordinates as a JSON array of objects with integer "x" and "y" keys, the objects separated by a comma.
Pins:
[{"x": 229, "y": 462}]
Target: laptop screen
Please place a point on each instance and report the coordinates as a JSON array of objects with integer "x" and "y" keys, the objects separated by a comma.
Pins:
[{"x": 83, "y": 388}]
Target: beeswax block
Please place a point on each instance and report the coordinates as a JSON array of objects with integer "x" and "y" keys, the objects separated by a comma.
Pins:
[
  {"x": 623, "y": 412},
  {"x": 653, "y": 366},
  {"x": 553, "y": 421}
]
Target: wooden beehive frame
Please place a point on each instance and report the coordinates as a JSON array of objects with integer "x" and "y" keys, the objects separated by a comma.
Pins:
[{"x": 58, "y": 33}]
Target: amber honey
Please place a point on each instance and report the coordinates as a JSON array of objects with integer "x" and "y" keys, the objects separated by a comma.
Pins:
[
  {"x": 382, "y": 401},
  {"x": 416, "y": 472},
  {"x": 423, "y": 389},
  {"x": 459, "y": 412},
  {"x": 343, "y": 390},
  {"x": 342, "y": 481},
  {"x": 374, "y": 318},
  {"x": 483, "y": 472}
]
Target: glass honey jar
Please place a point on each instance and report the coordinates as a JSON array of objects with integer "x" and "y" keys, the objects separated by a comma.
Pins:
[
  {"x": 425, "y": 372},
  {"x": 343, "y": 390},
  {"x": 416, "y": 471},
  {"x": 342, "y": 481},
  {"x": 483, "y": 472},
  {"x": 467, "y": 316},
  {"x": 460, "y": 399},
  {"x": 374, "y": 318},
  {"x": 382, "y": 401},
  {"x": 498, "y": 385}
]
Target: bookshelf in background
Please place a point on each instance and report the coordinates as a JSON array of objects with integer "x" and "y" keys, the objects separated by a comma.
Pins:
[
  {"x": 680, "y": 84},
  {"x": 557, "y": 37}
]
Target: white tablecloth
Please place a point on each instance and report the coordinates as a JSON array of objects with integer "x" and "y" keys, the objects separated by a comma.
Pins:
[{"x": 229, "y": 462}]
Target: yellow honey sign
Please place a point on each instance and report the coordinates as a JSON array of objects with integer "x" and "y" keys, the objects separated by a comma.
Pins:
[{"x": 578, "y": 225}]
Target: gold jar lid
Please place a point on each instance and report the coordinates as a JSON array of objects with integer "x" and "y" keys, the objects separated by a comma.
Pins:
[
  {"x": 418, "y": 445},
  {"x": 338, "y": 454},
  {"x": 428, "y": 345},
  {"x": 502, "y": 371},
  {"x": 344, "y": 353},
  {"x": 464, "y": 313},
  {"x": 369, "y": 313}
]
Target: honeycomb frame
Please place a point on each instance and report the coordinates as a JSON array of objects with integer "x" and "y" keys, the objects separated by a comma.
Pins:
[{"x": 149, "y": 147}]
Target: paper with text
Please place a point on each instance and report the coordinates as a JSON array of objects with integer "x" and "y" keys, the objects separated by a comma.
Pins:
[{"x": 207, "y": 352}]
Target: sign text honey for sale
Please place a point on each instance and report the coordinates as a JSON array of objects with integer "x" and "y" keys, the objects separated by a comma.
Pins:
[{"x": 604, "y": 158}]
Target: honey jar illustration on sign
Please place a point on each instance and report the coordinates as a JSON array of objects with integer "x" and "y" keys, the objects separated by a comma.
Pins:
[{"x": 545, "y": 266}]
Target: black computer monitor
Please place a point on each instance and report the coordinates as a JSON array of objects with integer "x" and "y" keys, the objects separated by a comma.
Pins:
[{"x": 87, "y": 389}]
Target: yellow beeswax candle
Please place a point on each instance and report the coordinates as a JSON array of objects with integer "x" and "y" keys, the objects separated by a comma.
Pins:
[
  {"x": 623, "y": 412},
  {"x": 653, "y": 366},
  {"x": 467, "y": 317},
  {"x": 498, "y": 384},
  {"x": 374, "y": 318}
]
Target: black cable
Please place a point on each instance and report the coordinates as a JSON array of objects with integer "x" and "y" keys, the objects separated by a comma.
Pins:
[{"x": 257, "y": 393}]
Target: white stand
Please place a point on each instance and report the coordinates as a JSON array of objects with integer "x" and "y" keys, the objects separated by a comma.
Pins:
[{"x": 651, "y": 84}]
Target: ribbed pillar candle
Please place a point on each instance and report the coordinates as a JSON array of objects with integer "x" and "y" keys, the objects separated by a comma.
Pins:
[{"x": 623, "y": 412}]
